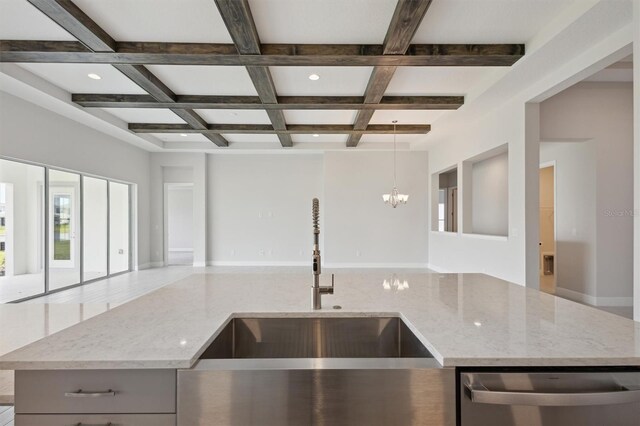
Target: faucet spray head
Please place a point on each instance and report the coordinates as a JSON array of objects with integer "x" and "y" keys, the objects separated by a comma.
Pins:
[{"x": 315, "y": 210}]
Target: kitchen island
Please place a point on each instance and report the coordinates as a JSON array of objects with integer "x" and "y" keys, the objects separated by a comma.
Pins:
[{"x": 463, "y": 320}]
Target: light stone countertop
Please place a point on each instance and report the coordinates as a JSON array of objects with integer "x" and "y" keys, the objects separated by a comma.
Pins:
[
  {"x": 24, "y": 323},
  {"x": 463, "y": 319}
]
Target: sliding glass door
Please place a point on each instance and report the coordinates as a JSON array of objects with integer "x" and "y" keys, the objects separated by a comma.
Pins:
[
  {"x": 22, "y": 220},
  {"x": 59, "y": 229},
  {"x": 64, "y": 229}
]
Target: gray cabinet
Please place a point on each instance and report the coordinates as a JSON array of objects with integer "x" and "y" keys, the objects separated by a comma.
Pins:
[{"x": 117, "y": 397}]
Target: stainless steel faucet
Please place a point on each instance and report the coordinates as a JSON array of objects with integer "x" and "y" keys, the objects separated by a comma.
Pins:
[{"x": 317, "y": 290}]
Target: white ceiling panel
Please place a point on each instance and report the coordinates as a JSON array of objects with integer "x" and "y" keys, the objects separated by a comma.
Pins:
[
  {"x": 487, "y": 21},
  {"x": 320, "y": 139},
  {"x": 73, "y": 78},
  {"x": 388, "y": 138},
  {"x": 320, "y": 116},
  {"x": 322, "y": 21},
  {"x": 334, "y": 81},
  {"x": 145, "y": 115},
  {"x": 437, "y": 80},
  {"x": 177, "y": 137},
  {"x": 187, "y": 21},
  {"x": 407, "y": 116},
  {"x": 205, "y": 80},
  {"x": 234, "y": 116},
  {"x": 242, "y": 137},
  {"x": 20, "y": 20}
]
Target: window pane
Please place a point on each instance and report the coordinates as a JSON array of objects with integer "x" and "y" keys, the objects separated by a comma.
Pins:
[
  {"x": 94, "y": 195},
  {"x": 21, "y": 230},
  {"x": 64, "y": 229},
  {"x": 118, "y": 227}
]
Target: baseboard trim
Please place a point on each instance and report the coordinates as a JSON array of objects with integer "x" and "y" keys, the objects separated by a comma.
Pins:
[
  {"x": 150, "y": 265},
  {"x": 375, "y": 265},
  {"x": 438, "y": 269},
  {"x": 594, "y": 300},
  {"x": 180, "y": 250},
  {"x": 255, "y": 263}
]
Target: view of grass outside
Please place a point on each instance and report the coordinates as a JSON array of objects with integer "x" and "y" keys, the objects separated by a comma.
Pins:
[{"x": 62, "y": 243}]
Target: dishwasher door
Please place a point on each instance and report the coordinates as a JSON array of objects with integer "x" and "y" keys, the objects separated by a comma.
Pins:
[{"x": 550, "y": 398}]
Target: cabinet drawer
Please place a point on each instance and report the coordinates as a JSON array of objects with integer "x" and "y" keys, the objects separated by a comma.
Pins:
[
  {"x": 95, "y": 419},
  {"x": 95, "y": 391}
]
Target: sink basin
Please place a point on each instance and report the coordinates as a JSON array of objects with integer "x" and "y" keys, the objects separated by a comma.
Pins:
[
  {"x": 354, "y": 337},
  {"x": 338, "y": 371}
]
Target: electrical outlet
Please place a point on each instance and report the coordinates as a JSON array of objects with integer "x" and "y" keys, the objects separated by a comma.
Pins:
[
  {"x": 358, "y": 253},
  {"x": 121, "y": 251},
  {"x": 261, "y": 252}
]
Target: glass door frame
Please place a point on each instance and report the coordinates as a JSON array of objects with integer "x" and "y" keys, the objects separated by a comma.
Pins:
[{"x": 47, "y": 219}]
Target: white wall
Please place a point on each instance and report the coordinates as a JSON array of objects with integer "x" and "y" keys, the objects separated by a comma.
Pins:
[
  {"x": 260, "y": 207},
  {"x": 178, "y": 168},
  {"x": 32, "y": 133},
  {"x": 590, "y": 35},
  {"x": 603, "y": 113},
  {"x": 576, "y": 212},
  {"x": 180, "y": 217},
  {"x": 490, "y": 196},
  {"x": 360, "y": 229}
]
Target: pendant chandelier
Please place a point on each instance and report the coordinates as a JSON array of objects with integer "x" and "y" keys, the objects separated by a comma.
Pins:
[{"x": 395, "y": 197}]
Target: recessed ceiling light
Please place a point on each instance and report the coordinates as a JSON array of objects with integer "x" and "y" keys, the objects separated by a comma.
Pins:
[
  {"x": 315, "y": 135},
  {"x": 477, "y": 323},
  {"x": 314, "y": 77},
  {"x": 184, "y": 135},
  {"x": 94, "y": 76}
]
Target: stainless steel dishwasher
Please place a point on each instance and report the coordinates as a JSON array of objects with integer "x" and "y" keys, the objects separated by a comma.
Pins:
[{"x": 550, "y": 398}]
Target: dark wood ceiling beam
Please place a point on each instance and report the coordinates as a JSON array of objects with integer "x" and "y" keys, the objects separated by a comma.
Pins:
[
  {"x": 273, "y": 55},
  {"x": 237, "y": 17},
  {"x": 406, "y": 19},
  {"x": 66, "y": 14},
  {"x": 69, "y": 16},
  {"x": 284, "y": 102},
  {"x": 268, "y": 129}
]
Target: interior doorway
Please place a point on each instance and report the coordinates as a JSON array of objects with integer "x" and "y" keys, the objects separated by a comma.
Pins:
[
  {"x": 179, "y": 223},
  {"x": 547, "y": 255}
]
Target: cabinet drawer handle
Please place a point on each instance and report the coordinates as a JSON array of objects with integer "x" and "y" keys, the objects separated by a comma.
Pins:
[
  {"x": 81, "y": 394},
  {"x": 87, "y": 424}
]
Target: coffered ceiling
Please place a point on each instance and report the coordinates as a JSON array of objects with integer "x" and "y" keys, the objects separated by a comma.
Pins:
[{"x": 230, "y": 72}]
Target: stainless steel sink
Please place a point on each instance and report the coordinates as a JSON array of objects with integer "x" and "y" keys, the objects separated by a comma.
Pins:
[
  {"x": 316, "y": 371},
  {"x": 361, "y": 337}
]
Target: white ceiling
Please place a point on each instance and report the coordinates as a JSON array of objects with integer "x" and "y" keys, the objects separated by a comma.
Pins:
[
  {"x": 284, "y": 21},
  {"x": 234, "y": 116},
  {"x": 19, "y": 20},
  {"x": 322, "y": 21},
  {"x": 334, "y": 81},
  {"x": 145, "y": 115},
  {"x": 74, "y": 78},
  {"x": 487, "y": 21},
  {"x": 188, "y": 21},
  {"x": 205, "y": 80}
]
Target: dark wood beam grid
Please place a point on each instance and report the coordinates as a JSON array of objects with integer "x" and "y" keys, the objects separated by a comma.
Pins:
[
  {"x": 405, "y": 22},
  {"x": 66, "y": 14},
  {"x": 291, "y": 129},
  {"x": 151, "y": 53},
  {"x": 237, "y": 17},
  {"x": 284, "y": 102}
]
